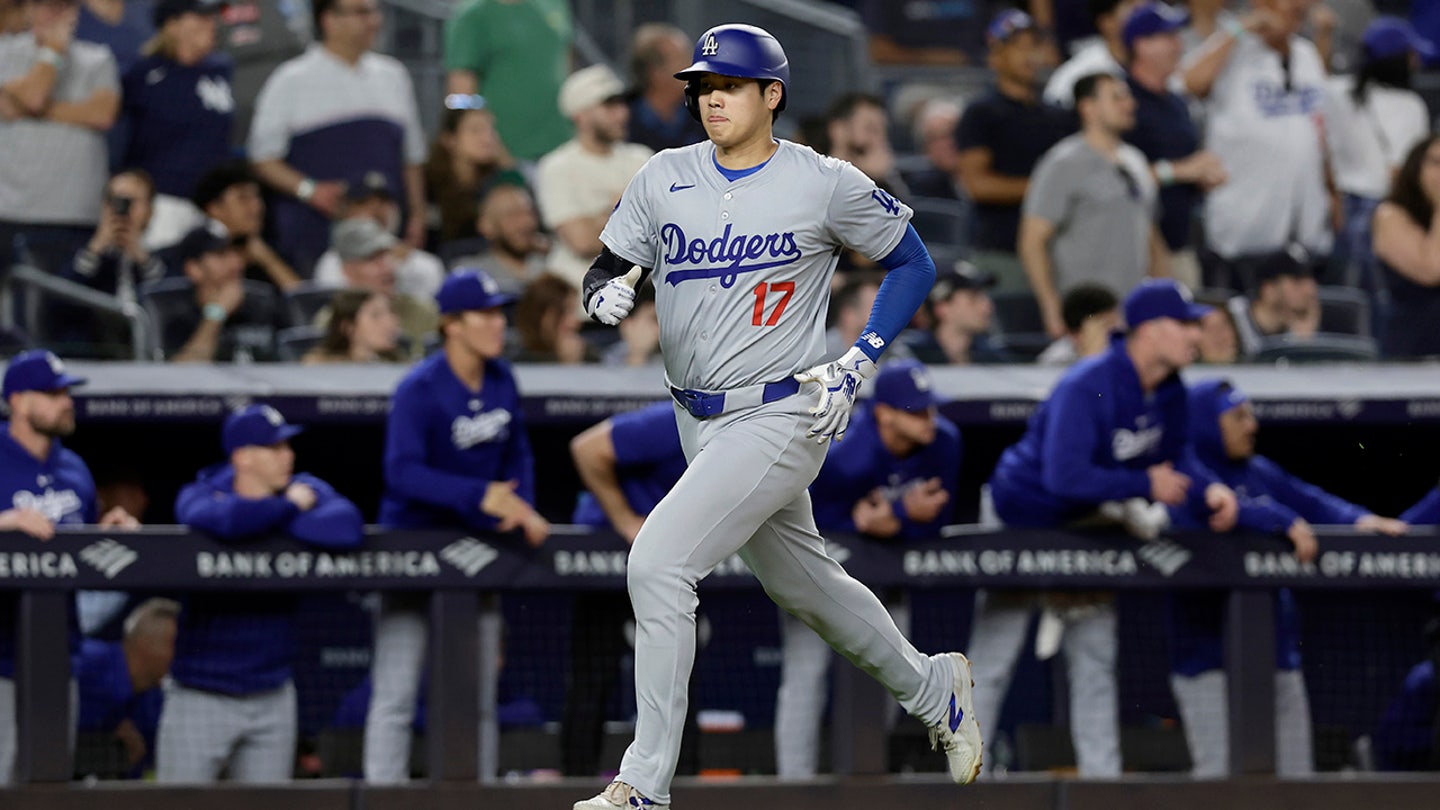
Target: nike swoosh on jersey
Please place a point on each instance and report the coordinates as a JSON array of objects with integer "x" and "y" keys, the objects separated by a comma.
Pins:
[{"x": 677, "y": 187}]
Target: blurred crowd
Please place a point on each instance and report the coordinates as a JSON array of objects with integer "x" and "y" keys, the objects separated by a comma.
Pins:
[
  {"x": 255, "y": 178},
  {"x": 228, "y": 168}
]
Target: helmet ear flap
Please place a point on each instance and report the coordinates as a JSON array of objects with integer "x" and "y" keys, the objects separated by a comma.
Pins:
[{"x": 692, "y": 98}]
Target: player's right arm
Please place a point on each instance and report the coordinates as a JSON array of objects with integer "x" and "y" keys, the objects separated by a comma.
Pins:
[
  {"x": 628, "y": 253},
  {"x": 595, "y": 459}
]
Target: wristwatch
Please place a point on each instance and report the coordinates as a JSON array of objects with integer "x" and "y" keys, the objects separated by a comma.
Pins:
[
  {"x": 214, "y": 312},
  {"x": 50, "y": 56},
  {"x": 305, "y": 190}
]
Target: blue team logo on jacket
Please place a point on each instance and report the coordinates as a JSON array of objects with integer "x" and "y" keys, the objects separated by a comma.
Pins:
[
  {"x": 56, "y": 505},
  {"x": 725, "y": 257}
]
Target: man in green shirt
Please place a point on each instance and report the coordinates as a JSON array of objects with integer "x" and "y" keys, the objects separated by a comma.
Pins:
[{"x": 515, "y": 52}]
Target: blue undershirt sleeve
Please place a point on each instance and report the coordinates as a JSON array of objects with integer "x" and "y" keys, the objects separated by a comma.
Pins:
[{"x": 910, "y": 277}]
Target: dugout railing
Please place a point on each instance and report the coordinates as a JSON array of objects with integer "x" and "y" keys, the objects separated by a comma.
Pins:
[{"x": 457, "y": 568}]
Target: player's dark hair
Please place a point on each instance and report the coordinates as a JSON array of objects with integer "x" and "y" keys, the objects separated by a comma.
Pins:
[
  {"x": 214, "y": 183},
  {"x": 1099, "y": 8},
  {"x": 344, "y": 309},
  {"x": 1391, "y": 72},
  {"x": 1084, "y": 301},
  {"x": 1087, "y": 87},
  {"x": 1406, "y": 190}
]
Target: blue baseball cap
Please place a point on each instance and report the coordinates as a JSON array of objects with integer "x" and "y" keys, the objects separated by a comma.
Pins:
[
  {"x": 470, "y": 288},
  {"x": 1161, "y": 298},
  {"x": 1150, "y": 19},
  {"x": 1388, "y": 37},
  {"x": 166, "y": 9},
  {"x": 906, "y": 385},
  {"x": 1007, "y": 24},
  {"x": 255, "y": 425},
  {"x": 37, "y": 370}
]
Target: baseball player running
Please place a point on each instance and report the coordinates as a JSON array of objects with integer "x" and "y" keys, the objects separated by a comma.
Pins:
[{"x": 741, "y": 233}]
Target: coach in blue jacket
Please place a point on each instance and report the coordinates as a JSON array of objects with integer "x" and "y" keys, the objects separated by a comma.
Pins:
[
  {"x": 42, "y": 484},
  {"x": 231, "y": 705},
  {"x": 1272, "y": 501},
  {"x": 895, "y": 478},
  {"x": 456, "y": 457},
  {"x": 1114, "y": 429}
]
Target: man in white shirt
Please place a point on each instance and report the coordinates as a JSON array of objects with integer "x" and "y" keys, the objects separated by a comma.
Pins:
[
  {"x": 579, "y": 183},
  {"x": 1105, "y": 55},
  {"x": 1264, "y": 92},
  {"x": 336, "y": 110}
]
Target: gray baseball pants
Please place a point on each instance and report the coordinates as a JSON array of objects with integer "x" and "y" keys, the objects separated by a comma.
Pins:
[
  {"x": 744, "y": 492},
  {"x": 1090, "y": 646},
  {"x": 205, "y": 734},
  {"x": 1204, "y": 706}
]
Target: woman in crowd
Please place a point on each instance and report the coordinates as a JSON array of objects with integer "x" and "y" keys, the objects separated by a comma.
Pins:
[
  {"x": 177, "y": 113},
  {"x": 1374, "y": 119},
  {"x": 1406, "y": 242},
  {"x": 363, "y": 328},
  {"x": 466, "y": 159},
  {"x": 548, "y": 320}
]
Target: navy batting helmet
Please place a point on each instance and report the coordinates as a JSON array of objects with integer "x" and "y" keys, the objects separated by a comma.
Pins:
[{"x": 736, "y": 50}]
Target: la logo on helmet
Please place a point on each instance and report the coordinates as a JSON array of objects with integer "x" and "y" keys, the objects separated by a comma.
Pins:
[{"x": 712, "y": 46}]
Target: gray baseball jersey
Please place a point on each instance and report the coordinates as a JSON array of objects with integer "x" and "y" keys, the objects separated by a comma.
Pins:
[{"x": 742, "y": 268}]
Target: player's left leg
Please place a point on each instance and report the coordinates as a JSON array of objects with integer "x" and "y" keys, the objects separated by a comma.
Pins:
[
  {"x": 1294, "y": 747},
  {"x": 266, "y": 754},
  {"x": 788, "y": 556},
  {"x": 197, "y": 731},
  {"x": 1091, "y": 647}
]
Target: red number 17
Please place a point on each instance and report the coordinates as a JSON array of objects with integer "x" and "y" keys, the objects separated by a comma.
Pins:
[{"x": 785, "y": 288}]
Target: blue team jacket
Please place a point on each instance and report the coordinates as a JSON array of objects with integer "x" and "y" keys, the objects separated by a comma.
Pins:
[
  {"x": 1270, "y": 500},
  {"x": 1092, "y": 442},
  {"x": 1426, "y": 512},
  {"x": 444, "y": 444},
  {"x": 856, "y": 466},
  {"x": 62, "y": 488},
  {"x": 648, "y": 461},
  {"x": 239, "y": 644}
]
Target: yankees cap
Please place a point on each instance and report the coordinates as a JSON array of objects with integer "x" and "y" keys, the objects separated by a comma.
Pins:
[
  {"x": 905, "y": 385},
  {"x": 470, "y": 288},
  {"x": 255, "y": 426},
  {"x": 165, "y": 10},
  {"x": 1150, "y": 19},
  {"x": 1007, "y": 24},
  {"x": 37, "y": 370}
]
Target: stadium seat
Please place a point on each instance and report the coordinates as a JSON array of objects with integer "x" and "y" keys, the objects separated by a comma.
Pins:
[
  {"x": 168, "y": 298},
  {"x": 304, "y": 302},
  {"x": 1017, "y": 313},
  {"x": 1319, "y": 349},
  {"x": 1025, "y": 346},
  {"x": 940, "y": 222},
  {"x": 1344, "y": 311},
  {"x": 292, "y": 344}
]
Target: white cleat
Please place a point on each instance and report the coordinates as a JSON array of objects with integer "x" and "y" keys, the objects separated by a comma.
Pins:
[
  {"x": 619, "y": 794},
  {"x": 958, "y": 737}
]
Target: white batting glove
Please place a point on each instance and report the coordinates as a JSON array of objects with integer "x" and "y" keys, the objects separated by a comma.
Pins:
[
  {"x": 611, "y": 303},
  {"x": 840, "y": 382}
]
